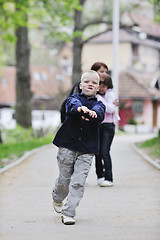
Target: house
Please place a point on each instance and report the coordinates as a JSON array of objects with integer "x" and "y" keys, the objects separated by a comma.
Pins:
[
  {"x": 46, "y": 84},
  {"x": 139, "y": 73},
  {"x": 139, "y": 101},
  {"x": 134, "y": 51},
  {"x": 48, "y": 87}
]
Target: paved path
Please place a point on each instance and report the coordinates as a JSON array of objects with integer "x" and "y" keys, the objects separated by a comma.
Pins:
[{"x": 128, "y": 211}]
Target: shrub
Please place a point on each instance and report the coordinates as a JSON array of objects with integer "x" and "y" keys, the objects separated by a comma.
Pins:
[
  {"x": 131, "y": 121},
  {"x": 19, "y": 134}
]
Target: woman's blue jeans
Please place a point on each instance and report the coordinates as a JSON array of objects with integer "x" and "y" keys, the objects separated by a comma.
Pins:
[{"x": 103, "y": 159}]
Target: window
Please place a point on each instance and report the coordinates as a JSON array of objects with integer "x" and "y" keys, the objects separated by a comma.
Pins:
[
  {"x": 44, "y": 76},
  {"x": 4, "y": 82},
  {"x": 135, "y": 49},
  {"x": 36, "y": 76},
  {"x": 137, "y": 106}
]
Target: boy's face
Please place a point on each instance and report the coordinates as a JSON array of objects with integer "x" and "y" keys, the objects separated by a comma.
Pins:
[
  {"x": 102, "y": 88},
  {"x": 89, "y": 85}
]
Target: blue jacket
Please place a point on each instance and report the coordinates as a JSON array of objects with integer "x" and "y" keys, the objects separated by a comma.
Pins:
[{"x": 77, "y": 134}]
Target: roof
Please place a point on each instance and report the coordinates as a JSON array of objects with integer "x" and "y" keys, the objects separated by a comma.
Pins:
[
  {"x": 7, "y": 86},
  {"x": 134, "y": 84},
  {"x": 147, "y": 24},
  {"x": 46, "y": 82},
  {"x": 124, "y": 36}
]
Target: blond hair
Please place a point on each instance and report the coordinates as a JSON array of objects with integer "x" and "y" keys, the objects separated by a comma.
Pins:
[{"x": 90, "y": 72}]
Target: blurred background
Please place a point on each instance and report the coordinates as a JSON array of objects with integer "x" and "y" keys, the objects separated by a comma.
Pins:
[{"x": 45, "y": 45}]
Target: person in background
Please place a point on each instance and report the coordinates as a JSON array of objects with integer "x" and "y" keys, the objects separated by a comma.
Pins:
[
  {"x": 102, "y": 70},
  {"x": 107, "y": 132},
  {"x": 78, "y": 142}
]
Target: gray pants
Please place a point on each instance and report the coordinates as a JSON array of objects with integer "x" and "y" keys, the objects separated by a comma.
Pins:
[{"x": 73, "y": 171}]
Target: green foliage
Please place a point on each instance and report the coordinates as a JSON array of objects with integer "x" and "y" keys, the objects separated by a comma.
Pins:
[
  {"x": 19, "y": 134},
  {"x": 98, "y": 10},
  {"x": 131, "y": 121},
  {"x": 55, "y": 14},
  {"x": 77, "y": 34},
  {"x": 56, "y": 17},
  {"x": 19, "y": 140},
  {"x": 156, "y": 6},
  {"x": 19, "y": 148},
  {"x": 151, "y": 142},
  {"x": 9, "y": 37},
  {"x": 153, "y": 147}
]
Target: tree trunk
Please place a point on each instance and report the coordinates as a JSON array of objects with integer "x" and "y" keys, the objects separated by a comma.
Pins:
[
  {"x": 23, "y": 93},
  {"x": 77, "y": 52},
  {"x": 1, "y": 137},
  {"x": 77, "y": 46}
]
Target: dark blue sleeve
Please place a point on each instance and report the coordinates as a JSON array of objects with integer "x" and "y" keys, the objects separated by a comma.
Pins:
[
  {"x": 72, "y": 104},
  {"x": 99, "y": 108}
]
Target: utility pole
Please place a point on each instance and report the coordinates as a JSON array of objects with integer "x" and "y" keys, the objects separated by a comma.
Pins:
[
  {"x": 115, "y": 20},
  {"x": 115, "y": 44}
]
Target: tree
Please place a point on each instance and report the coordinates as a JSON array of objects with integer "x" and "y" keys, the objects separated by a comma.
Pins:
[
  {"x": 14, "y": 23},
  {"x": 14, "y": 15},
  {"x": 82, "y": 21},
  {"x": 156, "y": 7},
  {"x": 77, "y": 43},
  {"x": 23, "y": 92},
  {"x": 100, "y": 13}
]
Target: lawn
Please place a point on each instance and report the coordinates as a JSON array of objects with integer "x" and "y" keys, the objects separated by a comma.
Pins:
[
  {"x": 18, "y": 141},
  {"x": 151, "y": 147}
]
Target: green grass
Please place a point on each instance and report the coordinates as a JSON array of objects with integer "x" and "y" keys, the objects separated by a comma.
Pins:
[
  {"x": 152, "y": 146},
  {"x": 151, "y": 142},
  {"x": 12, "y": 150}
]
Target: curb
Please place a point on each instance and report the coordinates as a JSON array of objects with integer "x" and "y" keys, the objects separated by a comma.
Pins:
[
  {"x": 21, "y": 159},
  {"x": 146, "y": 157}
]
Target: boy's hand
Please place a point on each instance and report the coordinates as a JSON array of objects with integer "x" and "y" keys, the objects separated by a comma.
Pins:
[
  {"x": 86, "y": 113},
  {"x": 92, "y": 114},
  {"x": 83, "y": 109}
]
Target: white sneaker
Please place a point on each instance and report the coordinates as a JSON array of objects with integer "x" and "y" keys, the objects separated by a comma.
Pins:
[
  {"x": 106, "y": 183},
  {"x": 100, "y": 180},
  {"x": 57, "y": 206},
  {"x": 67, "y": 220},
  {"x": 86, "y": 181}
]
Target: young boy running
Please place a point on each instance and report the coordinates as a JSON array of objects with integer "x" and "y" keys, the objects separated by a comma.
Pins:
[{"x": 78, "y": 142}]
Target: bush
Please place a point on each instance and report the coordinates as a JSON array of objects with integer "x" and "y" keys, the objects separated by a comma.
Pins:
[
  {"x": 131, "y": 121},
  {"x": 19, "y": 134},
  {"x": 19, "y": 140},
  {"x": 12, "y": 151}
]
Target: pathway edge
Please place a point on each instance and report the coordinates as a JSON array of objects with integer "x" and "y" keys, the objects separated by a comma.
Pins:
[
  {"x": 146, "y": 157},
  {"x": 21, "y": 159}
]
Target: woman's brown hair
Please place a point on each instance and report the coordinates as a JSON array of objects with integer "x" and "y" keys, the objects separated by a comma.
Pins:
[{"x": 96, "y": 66}]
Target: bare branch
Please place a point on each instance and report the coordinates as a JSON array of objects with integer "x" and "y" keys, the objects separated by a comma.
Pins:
[
  {"x": 94, "y": 22},
  {"x": 96, "y": 35},
  {"x": 122, "y": 26}
]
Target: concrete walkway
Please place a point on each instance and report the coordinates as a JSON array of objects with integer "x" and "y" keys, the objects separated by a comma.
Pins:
[{"x": 128, "y": 211}]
